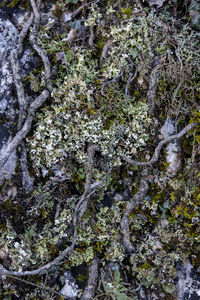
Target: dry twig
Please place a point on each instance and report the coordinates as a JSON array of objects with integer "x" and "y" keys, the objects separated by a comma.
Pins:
[
  {"x": 156, "y": 154},
  {"x": 19, "y": 87},
  {"x": 92, "y": 281},
  {"x": 38, "y": 49},
  {"x": 141, "y": 193},
  {"x": 153, "y": 84},
  {"x": 130, "y": 79},
  {"x": 92, "y": 37},
  {"x": 26, "y": 27},
  {"x": 114, "y": 80}
]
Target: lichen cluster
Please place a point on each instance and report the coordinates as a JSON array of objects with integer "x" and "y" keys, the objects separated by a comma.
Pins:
[
  {"x": 74, "y": 120},
  {"x": 92, "y": 102}
]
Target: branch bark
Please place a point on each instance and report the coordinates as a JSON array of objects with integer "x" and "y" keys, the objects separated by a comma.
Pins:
[
  {"x": 156, "y": 154},
  {"x": 141, "y": 193},
  {"x": 92, "y": 281}
]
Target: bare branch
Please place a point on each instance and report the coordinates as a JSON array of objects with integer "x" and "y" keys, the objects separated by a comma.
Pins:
[
  {"x": 115, "y": 79},
  {"x": 92, "y": 281},
  {"x": 78, "y": 10},
  {"x": 35, "y": 285},
  {"x": 26, "y": 27},
  {"x": 27, "y": 180},
  {"x": 141, "y": 193},
  {"x": 151, "y": 95},
  {"x": 25, "y": 129},
  {"x": 156, "y": 154},
  {"x": 38, "y": 49},
  {"x": 19, "y": 87},
  {"x": 106, "y": 48},
  {"x": 92, "y": 36},
  {"x": 130, "y": 79}
]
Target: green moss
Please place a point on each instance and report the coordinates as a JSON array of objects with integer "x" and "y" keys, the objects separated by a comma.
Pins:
[{"x": 8, "y": 3}]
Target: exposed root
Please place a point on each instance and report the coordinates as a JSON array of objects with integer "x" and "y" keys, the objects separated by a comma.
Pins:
[
  {"x": 92, "y": 281},
  {"x": 92, "y": 37},
  {"x": 26, "y": 27},
  {"x": 151, "y": 95},
  {"x": 106, "y": 48},
  {"x": 130, "y": 80},
  {"x": 27, "y": 180},
  {"x": 38, "y": 49},
  {"x": 115, "y": 79},
  {"x": 139, "y": 196},
  {"x": 19, "y": 87},
  {"x": 156, "y": 154}
]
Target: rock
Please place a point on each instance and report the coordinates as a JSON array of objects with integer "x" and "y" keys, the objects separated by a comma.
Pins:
[
  {"x": 188, "y": 286},
  {"x": 172, "y": 149},
  {"x": 9, "y": 38},
  {"x": 70, "y": 289},
  {"x": 9, "y": 168}
]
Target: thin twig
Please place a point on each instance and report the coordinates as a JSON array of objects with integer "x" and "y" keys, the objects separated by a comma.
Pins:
[
  {"x": 141, "y": 193},
  {"x": 156, "y": 154},
  {"x": 27, "y": 180},
  {"x": 38, "y": 49},
  {"x": 130, "y": 79},
  {"x": 26, "y": 27},
  {"x": 78, "y": 10},
  {"x": 92, "y": 281},
  {"x": 115, "y": 79},
  {"x": 151, "y": 95},
  {"x": 19, "y": 87},
  {"x": 92, "y": 37},
  {"x": 36, "y": 285}
]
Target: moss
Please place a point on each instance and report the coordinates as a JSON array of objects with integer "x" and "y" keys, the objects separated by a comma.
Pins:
[{"x": 9, "y": 3}]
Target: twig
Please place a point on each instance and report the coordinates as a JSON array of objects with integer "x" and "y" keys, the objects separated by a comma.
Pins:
[
  {"x": 141, "y": 193},
  {"x": 38, "y": 49},
  {"x": 104, "y": 53},
  {"x": 26, "y": 27},
  {"x": 130, "y": 79},
  {"x": 57, "y": 210},
  {"x": 36, "y": 285},
  {"x": 151, "y": 95},
  {"x": 92, "y": 281},
  {"x": 27, "y": 180},
  {"x": 92, "y": 37},
  {"x": 78, "y": 10},
  {"x": 115, "y": 79},
  {"x": 156, "y": 154},
  {"x": 19, "y": 87}
]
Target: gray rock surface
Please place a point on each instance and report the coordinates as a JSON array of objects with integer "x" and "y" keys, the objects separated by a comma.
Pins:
[{"x": 188, "y": 286}]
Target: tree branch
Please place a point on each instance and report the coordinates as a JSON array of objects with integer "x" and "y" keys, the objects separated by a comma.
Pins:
[
  {"x": 141, "y": 193},
  {"x": 92, "y": 281},
  {"x": 156, "y": 154}
]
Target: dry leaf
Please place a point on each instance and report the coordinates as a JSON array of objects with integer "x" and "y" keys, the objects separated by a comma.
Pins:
[{"x": 72, "y": 35}]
